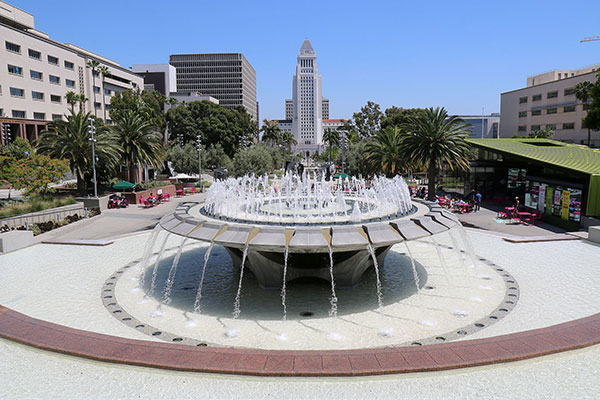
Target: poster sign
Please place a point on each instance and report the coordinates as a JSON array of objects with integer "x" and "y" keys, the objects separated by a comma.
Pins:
[
  {"x": 542, "y": 197},
  {"x": 566, "y": 195}
]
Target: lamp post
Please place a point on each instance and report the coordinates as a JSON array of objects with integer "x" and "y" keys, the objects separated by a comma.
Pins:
[
  {"x": 343, "y": 149},
  {"x": 92, "y": 130},
  {"x": 199, "y": 147}
]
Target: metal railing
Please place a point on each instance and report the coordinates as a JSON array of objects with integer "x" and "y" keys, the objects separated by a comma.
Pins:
[{"x": 53, "y": 214}]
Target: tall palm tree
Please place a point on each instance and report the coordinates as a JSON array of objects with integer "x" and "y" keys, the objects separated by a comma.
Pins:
[
  {"x": 287, "y": 140},
  {"x": 139, "y": 141},
  {"x": 271, "y": 133},
  {"x": 103, "y": 70},
  {"x": 81, "y": 99},
  {"x": 582, "y": 92},
  {"x": 384, "y": 152},
  {"x": 70, "y": 140},
  {"x": 434, "y": 138},
  {"x": 332, "y": 138},
  {"x": 71, "y": 99},
  {"x": 93, "y": 65}
]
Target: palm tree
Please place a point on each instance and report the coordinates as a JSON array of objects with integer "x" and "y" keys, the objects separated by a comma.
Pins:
[
  {"x": 103, "y": 70},
  {"x": 384, "y": 152},
  {"x": 71, "y": 99},
  {"x": 271, "y": 133},
  {"x": 287, "y": 140},
  {"x": 332, "y": 138},
  {"x": 434, "y": 138},
  {"x": 138, "y": 140},
  {"x": 93, "y": 65},
  {"x": 70, "y": 140},
  {"x": 81, "y": 99},
  {"x": 582, "y": 92}
]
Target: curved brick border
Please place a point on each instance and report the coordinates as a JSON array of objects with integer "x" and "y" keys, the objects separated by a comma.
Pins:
[{"x": 517, "y": 346}]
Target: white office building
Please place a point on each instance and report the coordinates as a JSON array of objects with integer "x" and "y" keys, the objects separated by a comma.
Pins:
[{"x": 36, "y": 72}]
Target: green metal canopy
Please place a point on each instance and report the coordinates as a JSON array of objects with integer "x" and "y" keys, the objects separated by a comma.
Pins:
[
  {"x": 123, "y": 185},
  {"x": 559, "y": 154}
]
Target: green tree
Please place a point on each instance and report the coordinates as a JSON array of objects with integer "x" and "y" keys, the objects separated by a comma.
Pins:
[
  {"x": 545, "y": 133},
  {"x": 138, "y": 140},
  {"x": 332, "y": 138},
  {"x": 93, "y": 65},
  {"x": 400, "y": 117},
  {"x": 184, "y": 159},
  {"x": 232, "y": 129},
  {"x": 81, "y": 99},
  {"x": 257, "y": 159},
  {"x": 72, "y": 98},
  {"x": 356, "y": 159},
  {"x": 18, "y": 148},
  {"x": 436, "y": 138},
  {"x": 583, "y": 90},
  {"x": 104, "y": 71},
  {"x": 70, "y": 140},
  {"x": 38, "y": 171},
  {"x": 215, "y": 157},
  {"x": 384, "y": 152},
  {"x": 148, "y": 104},
  {"x": 287, "y": 140},
  {"x": 271, "y": 132},
  {"x": 592, "y": 118},
  {"x": 367, "y": 122}
]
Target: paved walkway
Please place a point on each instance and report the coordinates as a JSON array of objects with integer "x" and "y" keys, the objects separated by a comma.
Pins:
[{"x": 486, "y": 219}]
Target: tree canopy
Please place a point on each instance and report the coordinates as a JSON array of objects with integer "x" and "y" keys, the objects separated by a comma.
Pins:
[
  {"x": 592, "y": 119},
  {"x": 232, "y": 129}
]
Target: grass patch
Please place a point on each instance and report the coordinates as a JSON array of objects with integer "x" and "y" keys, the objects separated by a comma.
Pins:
[{"x": 12, "y": 208}]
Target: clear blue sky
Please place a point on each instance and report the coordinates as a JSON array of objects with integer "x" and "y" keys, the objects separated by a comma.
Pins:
[{"x": 456, "y": 54}]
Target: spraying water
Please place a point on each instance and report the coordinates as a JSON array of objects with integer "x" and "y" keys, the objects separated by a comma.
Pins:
[
  {"x": 414, "y": 267},
  {"x": 155, "y": 270},
  {"x": 376, "y": 265},
  {"x": 147, "y": 252},
  {"x": 283, "y": 291},
  {"x": 169, "y": 285},
  {"x": 333, "y": 300},
  {"x": 236, "y": 304},
  {"x": 199, "y": 292}
]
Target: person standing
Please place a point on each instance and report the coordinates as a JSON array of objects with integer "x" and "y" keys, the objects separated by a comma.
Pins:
[{"x": 477, "y": 201}]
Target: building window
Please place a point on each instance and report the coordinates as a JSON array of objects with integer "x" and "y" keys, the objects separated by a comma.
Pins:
[
  {"x": 97, "y": 105},
  {"x": 522, "y": 99},
  {"x": 18, "y": 114},
  {"x": 55, "y": 98},
  {"x": 56, "y": 117},
  {"x": 107, "y": 92},
  {"x": 536, "y": 112},
  {"x": 522, "y": 128},
  {"x": 69, "y": 83},
  {"x": 536, "y": 97},
  {"x": 13, "y": 69},
  {"x": 37, "y": 95},
  {"x": 586, "y": 106},
  {"x": 15, "y": 48},
  {"x": 15, "y": 92},
  {"x": 54, "y": 79},
  {"x": 552, "y": 127},
  {"x": 53, "y": 60},
  {"x": 36, "y": 75},
  {"x": 551, "y": 111},
  {"x": 96, "y": 89},
  {"x": 569, "y": 91},
  {"x": 35, "y": 54},
  {"x": 69, "y": 65},
  {"x": 38, "y": 115},
  {"x": 569, "y": 125},
  {"x": 522, "y": 114},
  {"x": 551, "y": 95},
  {"x": 535, "y": 128},
  {"x": 569, "y": 109}
]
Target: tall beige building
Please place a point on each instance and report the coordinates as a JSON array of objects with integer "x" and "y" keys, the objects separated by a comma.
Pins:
[
  {"x": 548, "y": 101},
  {"x": 36, "y": 72}
]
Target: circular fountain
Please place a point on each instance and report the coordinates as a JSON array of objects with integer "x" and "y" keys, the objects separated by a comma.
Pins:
[{"x": 299, "y": 227}]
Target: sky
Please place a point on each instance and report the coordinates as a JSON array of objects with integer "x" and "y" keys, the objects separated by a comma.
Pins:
[{"x": 455, "y": 54}]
